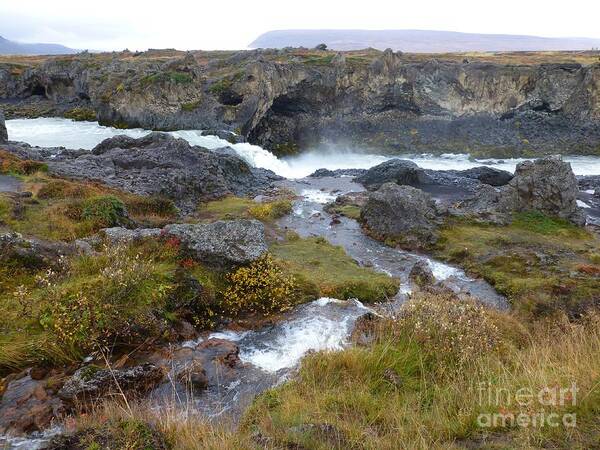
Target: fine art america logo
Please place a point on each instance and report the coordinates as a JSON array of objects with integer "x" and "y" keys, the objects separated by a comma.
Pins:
[{"x": 527, "y": 407}]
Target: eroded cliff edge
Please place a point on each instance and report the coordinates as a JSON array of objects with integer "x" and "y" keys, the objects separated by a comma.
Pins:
[{"x": 291, "y": 99}]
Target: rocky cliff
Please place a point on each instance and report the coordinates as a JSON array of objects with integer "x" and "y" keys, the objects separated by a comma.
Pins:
[{"x": 291, "y": 99}]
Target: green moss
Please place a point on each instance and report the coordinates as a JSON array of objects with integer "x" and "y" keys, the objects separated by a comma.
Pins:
[
  {"x": 534, "y": 261},
  {"x": 191, "y": 106},
  {"x": 81, "y": 114},
  {"x": 286, "y": 149},
  {"x": 326, "y": 270},
  {"x": 229, "y": 208},
  {"x": 220, "y": 86},
  {"x": 350, "y": 211}
]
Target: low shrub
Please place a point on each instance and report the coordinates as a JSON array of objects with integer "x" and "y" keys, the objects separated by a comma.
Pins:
[
  {"x": 10, "y": 163},
  {"x": 271, "y": 210},
  {"x": 262, "y": 287},
  {"x": 105, "y": 210}
]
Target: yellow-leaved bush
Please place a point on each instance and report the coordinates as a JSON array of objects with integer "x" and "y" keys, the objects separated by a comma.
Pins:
[{"x": 261, "y": 287}]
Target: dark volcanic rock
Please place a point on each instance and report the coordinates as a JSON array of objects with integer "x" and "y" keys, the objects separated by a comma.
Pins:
[
  {"x": 403, "y": 214},
  {"x": 3, "y": 132},
  {"x": 163, "y": 165},
  {"x": 222, "y": 243},
  {"x": 421, "y": 274},
  {"x": 399, "y": 171},
  {"x": 486, "y": 175},
  {"x": 89, "y": 383},
  {"x": 319, "y": 173},
  {"x": 547, "y": 185}
]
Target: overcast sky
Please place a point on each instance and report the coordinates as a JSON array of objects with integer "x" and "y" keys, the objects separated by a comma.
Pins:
[{"x": 213, "y": 24}]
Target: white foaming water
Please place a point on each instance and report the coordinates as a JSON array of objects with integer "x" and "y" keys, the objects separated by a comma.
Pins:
[
  {"x": 317, "y": 196},
  {"x": 324, "y": 324},
  {"x": 59, "y": 132},
  {"x": 443, "y": 271},
  {"x": 582, "y": 204}
]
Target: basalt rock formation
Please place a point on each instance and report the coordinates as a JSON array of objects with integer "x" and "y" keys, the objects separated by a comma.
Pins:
[
  {"x": 158, "y": 164},
  {"x": 291, "y": 99},
  {"x": 3, "y": 132}
]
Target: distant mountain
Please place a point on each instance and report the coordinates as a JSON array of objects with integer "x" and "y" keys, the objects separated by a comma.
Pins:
[
  {"x": 418, "y": 41},
  {"x": 17, "y": 48}
]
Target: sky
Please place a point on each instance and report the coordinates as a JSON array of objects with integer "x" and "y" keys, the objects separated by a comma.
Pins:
[{"x": 233, "y": 24}]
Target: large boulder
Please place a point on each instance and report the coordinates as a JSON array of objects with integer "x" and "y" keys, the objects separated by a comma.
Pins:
[
  {"x": 547, "y": 185},
  {"x": 120, "y": 235},
  {"x": 222, "y": 243},
  {"x": 90, "y": 383},
  {"x": 485, "y": 175},
  {"x": 399, "y": 171},
  {"x": 160, "y": 164},
  {"x": 3, "y": 132},
  {"x": 403, "y": 215}
]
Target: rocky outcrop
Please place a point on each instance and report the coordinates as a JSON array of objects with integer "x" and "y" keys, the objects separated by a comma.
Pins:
[
  {"x": 33, "y": 253},
  {"x": 283, "y": 100},
  {"x": 90, "y": 383},
  {"x": 547, "y": 185},
  {"x": 406, "y": 172},
  {"x": 159, "y": 164},
  {"x": 401, "y": 215},
  {"x": 3, "y": 132},
  {"x": 221, "y": 243},
  {"x": 120, "y": 235},
  {"x": 421, "y": 274}
]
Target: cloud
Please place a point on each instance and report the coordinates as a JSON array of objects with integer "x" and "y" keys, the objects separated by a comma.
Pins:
[{"x": 117, "y": 24}]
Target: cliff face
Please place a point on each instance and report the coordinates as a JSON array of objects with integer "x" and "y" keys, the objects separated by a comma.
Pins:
[{"x": 285, "y": 100}]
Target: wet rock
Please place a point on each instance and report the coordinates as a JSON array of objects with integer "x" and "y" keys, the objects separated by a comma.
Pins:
[
  {"x": 487, "y": 175},
  {"x": 320, "y": 173},
  {"x": 547, "y": 185},
  {"x": 228, "y": 136},
  {"x": 399, "y": 171},
  {"x": 221, "y": 350},
  {"x": 365, "y": 329},
  {"x": 3, "y": 132},
  {"x": 90, "y": 383},
  {"x": 421, "y": 274},
  {"x": 26, "y": 406},
  {"x": 222, "y": 243},
  {"x": 120, "y": 235},
  {"x": 193, "y": 374},
  {"x": 402, "y": 215},
  {"x": 32, "y": 253}
]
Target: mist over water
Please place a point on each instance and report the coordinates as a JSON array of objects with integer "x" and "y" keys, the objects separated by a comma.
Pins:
[{"x": 59, "y": 132}]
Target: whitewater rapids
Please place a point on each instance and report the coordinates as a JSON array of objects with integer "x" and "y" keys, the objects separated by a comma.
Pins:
[{"x": 59, "y": 132}]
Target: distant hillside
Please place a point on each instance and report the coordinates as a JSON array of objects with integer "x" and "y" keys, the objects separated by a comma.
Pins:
[
  {"x": 17, "y": 48},
  {"x": 418, "y": 41}
]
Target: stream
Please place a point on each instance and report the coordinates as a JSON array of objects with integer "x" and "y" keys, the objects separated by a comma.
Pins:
[{"x": 271, "y": 354}]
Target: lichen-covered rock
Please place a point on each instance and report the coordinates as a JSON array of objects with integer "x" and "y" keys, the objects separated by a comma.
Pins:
[
  {"x": 402, "y": 215},
  {"x": 32, "y": 253},
  {"x": 222, "y": 243},
  {"x": 90, "y": 383},
  {"x": 120, "y": 235},
  {"x": 3, "y": 132},
  {"x": 547, "y": 185}
]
